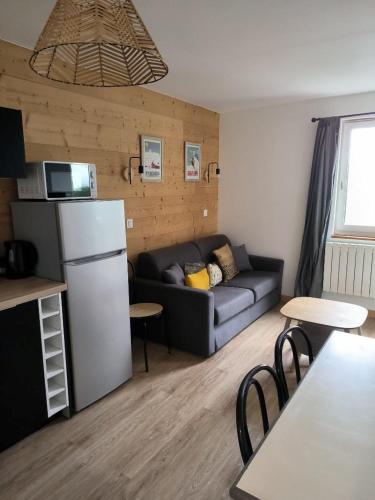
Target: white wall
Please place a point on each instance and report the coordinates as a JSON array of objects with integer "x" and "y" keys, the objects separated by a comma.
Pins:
[{"x": 265, "y": 160}]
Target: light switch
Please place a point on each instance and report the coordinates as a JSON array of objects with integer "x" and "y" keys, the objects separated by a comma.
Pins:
[
  {"x": 205, "y": 212},
  {"x": 129, "y": 223}
]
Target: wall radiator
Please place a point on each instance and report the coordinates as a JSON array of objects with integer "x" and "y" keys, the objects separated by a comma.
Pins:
[{"x": 349, "y": 269}]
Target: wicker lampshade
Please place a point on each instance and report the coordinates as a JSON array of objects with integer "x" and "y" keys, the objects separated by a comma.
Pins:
[{"x": 100, "y": 43}]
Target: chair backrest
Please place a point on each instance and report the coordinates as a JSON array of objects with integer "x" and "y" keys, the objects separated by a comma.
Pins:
[
  {"x": 131, "y": 278},
  {"x": 286, "y": 335},
  {"x": 249, "y": 380}
]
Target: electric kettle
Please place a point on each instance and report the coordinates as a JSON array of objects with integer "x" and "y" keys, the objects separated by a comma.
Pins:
[{"x": 21, "y": 258}]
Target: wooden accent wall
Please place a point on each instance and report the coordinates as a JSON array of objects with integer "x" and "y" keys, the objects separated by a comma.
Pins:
[{"x": 102, "y": 126}]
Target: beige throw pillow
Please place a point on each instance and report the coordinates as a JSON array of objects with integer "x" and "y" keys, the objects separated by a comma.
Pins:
[
  {"x": 226, "y": 262},
  {"x": 215, "y": 274}
]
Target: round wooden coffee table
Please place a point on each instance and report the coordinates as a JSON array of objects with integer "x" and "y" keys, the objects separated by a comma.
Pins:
[
  {"x": 331, "y": 314},
  {"x": 145, "y": 312}
]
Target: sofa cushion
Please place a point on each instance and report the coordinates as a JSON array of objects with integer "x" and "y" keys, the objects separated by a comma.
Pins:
[
  {"x": 174, "y": 275},
  {"x": 226, "y": 262},
  {"x": 260, "y": 282},
  {"x": 199, "y": 280},
  {"x": 242, "y": 258},
  {"x": 215, "y": 274},
  {"x": 229, "y": 301},
  {"x": 151, "y": 264},
  {"x": 209, "y": 243},
  {"x": 193, "y": 267}
]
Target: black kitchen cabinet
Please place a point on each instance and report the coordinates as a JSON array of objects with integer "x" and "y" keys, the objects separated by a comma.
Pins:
[
  {"x": 12, "y": 148},
  {"x": 23, "y": 407}
]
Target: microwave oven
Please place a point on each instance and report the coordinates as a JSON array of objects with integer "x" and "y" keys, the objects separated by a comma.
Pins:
[{"x": 57, "y": 180}]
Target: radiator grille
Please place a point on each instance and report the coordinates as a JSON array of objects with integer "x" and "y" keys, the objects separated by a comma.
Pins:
[{"x": 349, "y": 269}]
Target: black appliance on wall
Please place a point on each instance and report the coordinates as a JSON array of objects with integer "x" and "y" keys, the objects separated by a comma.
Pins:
[
  {"x": 12, "y": 148},
  {"x": 21, "y": 258}
]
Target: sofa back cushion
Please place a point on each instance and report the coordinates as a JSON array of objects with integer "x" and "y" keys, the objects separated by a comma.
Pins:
[
  {"x": 193, "y": 267},
  {"x": 225, "y": 259},
  {"x": 150, "y": 265},
  {"x": 242, "y": 258},
  {"x": 174, "y": 275},
  {"x": 209, "y": 243}
]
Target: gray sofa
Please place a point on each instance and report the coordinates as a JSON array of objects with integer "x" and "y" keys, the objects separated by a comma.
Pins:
[{"x": 202, "y": 321}]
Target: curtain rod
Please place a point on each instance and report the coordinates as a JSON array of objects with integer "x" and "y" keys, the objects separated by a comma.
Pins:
[{"x": 346, "y": 116}]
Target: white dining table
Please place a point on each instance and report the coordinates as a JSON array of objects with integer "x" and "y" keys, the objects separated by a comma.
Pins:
[{"x": 322, "y": 446}]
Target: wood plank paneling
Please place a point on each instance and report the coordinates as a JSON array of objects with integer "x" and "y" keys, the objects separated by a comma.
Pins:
[{"x": 103, "y": 126}]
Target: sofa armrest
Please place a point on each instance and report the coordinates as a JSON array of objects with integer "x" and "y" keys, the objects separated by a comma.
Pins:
[
  {"x": 266, "y": 264},
  {"x": 189, "y": 314}
]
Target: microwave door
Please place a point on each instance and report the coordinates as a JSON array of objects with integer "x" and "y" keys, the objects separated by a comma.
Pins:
[{"x": 67, "y": 180}]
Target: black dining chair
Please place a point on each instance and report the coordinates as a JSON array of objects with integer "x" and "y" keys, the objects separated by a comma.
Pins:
[
  {"x": 287, "y": 335},
  {"x": 131, "y": 278},
  {"x": 249, "y": 380}
]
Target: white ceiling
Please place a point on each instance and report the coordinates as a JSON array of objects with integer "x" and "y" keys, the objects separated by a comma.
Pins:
[{"x": 233, "y": 54}]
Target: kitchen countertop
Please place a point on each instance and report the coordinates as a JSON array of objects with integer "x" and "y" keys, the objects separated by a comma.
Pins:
[{"x": 15, "y": 292}]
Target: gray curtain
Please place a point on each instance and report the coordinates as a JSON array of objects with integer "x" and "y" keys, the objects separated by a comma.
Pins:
[{"x": 309, "y": 280}]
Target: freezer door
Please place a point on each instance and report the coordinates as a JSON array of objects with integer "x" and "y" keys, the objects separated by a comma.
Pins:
[
  {"x": 91, "y": 228},
  {"x": 98, "y": 313}
]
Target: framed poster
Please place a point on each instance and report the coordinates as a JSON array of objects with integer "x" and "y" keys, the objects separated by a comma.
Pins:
[
  {"x": 192, "y": 161},
  {"x": 152, "y": 158}
]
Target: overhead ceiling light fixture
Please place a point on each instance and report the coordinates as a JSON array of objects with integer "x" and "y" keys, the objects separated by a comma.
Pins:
[{"x": 98, "y": 43}]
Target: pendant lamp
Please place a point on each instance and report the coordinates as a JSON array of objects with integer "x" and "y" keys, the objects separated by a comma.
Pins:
[{"x": 99, "y": 43}]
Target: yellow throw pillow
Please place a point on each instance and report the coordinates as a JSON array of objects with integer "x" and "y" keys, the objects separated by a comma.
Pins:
[
  {"x": 226, "y": 262},
  {"x": 198, "y": 280}
]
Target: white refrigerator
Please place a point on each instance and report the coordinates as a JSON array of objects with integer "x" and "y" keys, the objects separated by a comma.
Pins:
[{"x": 84, "y": 244}]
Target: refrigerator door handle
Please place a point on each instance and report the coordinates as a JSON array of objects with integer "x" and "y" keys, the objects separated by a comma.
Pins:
[{"x": 95, "y": 258}]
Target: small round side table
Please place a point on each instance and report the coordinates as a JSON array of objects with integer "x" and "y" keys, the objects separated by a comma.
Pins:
[{"x": 145, "y": 312}]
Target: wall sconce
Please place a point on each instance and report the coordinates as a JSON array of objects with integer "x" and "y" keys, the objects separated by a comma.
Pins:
[
  {"x": 127, "y": 172},
  {"x": 217, "y": 171}
]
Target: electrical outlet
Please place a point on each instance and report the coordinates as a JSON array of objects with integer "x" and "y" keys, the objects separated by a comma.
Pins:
[
  {"x": 129, "y": 223},
  {"x": 205, "y": 212}
]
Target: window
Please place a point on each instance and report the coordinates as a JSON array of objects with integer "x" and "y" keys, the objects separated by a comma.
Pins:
[{"x": 354, "y": 213}]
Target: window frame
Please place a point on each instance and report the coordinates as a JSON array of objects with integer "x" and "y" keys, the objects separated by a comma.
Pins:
[{"x": 339, "y": 228}]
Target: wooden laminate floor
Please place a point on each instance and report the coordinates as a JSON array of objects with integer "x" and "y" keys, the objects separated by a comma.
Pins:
[{"x": 166, "y": 435}]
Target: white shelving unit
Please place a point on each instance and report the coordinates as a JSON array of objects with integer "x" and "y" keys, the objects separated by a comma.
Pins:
[{"x": 53, "y": 347}]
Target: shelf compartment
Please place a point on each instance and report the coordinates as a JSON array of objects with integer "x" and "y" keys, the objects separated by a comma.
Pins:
[
  {"x": 57, "y": 403},
  {"x": 52, "y": 351},
  {"x": 50, "y": 331},
  {"x": 53, "y": 369},
  {"x": 47, "y": 312},
  {"x": 56, "y": 408},
  {"x": 50, "y": 306},
  {"x": 51, "y": 326},
  {"x": 54, "y": 389}
]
